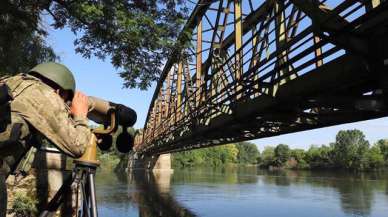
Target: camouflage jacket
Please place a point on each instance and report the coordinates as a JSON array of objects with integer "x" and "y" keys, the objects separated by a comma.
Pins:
[{"x": 44, "y": 110}]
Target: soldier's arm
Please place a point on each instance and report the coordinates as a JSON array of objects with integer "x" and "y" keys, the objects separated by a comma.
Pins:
[
  {"x": 79, "y": 111},
  {"x": 46, "y": 112},
  {"x": 83, "y": 136},
  {"x": 73, "y": 134}
]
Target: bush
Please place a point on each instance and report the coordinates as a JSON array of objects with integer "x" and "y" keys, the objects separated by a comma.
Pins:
[
  {"x": 319, "y": 157},
  {"x": 24, "y": 205},
  {"x": 299, "y": 156}
]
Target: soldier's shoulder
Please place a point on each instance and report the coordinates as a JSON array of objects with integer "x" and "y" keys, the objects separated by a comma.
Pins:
[
  {"x": 21, "y": 83},
  {"x": 20, "y": 78}
]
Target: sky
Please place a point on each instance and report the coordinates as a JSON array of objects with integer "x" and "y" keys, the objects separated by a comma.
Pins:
[{"x": 96, "y": 77}]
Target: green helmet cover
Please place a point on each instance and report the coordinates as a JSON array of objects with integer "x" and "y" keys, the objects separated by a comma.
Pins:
[{"x": 56, "y": 73}]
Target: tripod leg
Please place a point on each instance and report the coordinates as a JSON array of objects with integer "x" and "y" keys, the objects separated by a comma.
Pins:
[
  {"x": 85, "y": 200},
  {"x": 92, "y": 191}
]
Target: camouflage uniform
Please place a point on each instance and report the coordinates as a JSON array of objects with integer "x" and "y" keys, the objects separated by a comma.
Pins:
[{"x": 37, "y": 107}]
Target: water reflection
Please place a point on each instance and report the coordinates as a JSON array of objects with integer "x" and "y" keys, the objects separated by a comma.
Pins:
[
  {"x": 153, "y": 195},
  {"x": 243, "y": 191},
  {"x": 386, "y": 188},
  {"x": 356, "y": 191}
]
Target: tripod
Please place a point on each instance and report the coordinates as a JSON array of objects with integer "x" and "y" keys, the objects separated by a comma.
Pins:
[{"x": 80, "y": 184}]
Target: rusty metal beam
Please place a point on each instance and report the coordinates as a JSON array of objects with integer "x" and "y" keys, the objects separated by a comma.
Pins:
[
  {"x": 179, "y": 90},
  {"x": 199, "y": 79},
  {"x": 237, "y": 45}
]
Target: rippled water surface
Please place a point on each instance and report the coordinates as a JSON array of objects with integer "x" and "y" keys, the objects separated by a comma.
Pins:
[{"x": 242, "y": 192}]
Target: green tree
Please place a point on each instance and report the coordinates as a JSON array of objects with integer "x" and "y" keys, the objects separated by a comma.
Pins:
[
  {"x": 282, "y": 154},
  {"x": 137, "y": 36},
  {"x": 268, "y": 156},
  {"x": 22, "y": 44},
  {"x": 247, "y": 153},
  {"x": 375, "y": 158},
  {"x": 299, "y": 156},
  {"x": 214, "y": 156},
  {"x": 383, "y": 146},
  {"x": 222, "y": 154},
  {"x": 319, "y": 157},
  {"x": 350, "y": 149},
  {"x": 188, "y": 158}
]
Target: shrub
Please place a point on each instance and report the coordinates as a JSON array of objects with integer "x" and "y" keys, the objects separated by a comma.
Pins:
[{"x": 23, "y": 205}]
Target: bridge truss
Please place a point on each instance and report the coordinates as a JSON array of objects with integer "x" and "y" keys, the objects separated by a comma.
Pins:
[{"x": 258, "y": 68}]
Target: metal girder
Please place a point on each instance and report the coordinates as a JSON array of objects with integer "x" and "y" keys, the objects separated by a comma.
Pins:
[
  {"x": 238, "y": 60},
  {"x": 198, "y": 11},
  {"x": 251, "y": 20},
  {"x": 199, "y": 79},
  {"x": 327, "y": 22}
]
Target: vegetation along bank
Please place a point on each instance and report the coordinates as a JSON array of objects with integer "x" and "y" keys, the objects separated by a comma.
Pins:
[{"x": 350, "y": 151}]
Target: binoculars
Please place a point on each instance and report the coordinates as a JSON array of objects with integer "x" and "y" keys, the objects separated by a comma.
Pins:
[{"x": 116, "y": 122}]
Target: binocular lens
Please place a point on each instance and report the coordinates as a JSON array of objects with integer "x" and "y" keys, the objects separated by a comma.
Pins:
[
  {"x": 106, "y": 142},
  {"x": 126, "y": 115},
  {"x": 125, "y": 141}
]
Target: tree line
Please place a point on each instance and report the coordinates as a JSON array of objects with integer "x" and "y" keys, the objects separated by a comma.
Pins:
[
  {"x": 242, "y": 153},
  {"x": 350, "y": 151}
]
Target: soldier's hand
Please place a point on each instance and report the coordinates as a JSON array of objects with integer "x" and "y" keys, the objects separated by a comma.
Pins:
[{"x": 79, "y": 105}]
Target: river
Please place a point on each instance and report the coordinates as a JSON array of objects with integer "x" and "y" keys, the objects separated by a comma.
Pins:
[{"x": 242, "y": 192}]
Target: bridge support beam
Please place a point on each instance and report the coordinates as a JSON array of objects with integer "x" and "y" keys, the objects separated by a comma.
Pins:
[{"x": 153, "y": 163}]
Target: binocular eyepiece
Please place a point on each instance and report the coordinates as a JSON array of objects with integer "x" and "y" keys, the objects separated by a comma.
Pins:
[
  {"x": 100, "y": 111},
  {"x": 124, "y": 139}
]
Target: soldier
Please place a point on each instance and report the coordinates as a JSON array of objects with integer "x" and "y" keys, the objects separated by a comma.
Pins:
[{"x": 37, "y": 104}]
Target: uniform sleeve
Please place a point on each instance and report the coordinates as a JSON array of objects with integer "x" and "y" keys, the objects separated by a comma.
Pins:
[{"x": 39, "y": 105}]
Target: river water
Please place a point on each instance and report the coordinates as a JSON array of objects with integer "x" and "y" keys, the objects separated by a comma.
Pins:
[{"x": 242, "y": 192}]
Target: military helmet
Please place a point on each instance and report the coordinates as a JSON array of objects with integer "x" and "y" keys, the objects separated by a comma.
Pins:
[{"x": 57, "y": 73}]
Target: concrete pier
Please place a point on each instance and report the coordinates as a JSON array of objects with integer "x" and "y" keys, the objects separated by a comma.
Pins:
[{"x": 156, "y": 162}]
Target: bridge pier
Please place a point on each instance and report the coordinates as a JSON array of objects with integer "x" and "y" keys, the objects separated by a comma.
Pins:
[{"x": 152, "y": 163}]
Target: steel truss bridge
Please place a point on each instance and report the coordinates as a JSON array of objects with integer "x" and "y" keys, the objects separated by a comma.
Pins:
[{"x": 248, "y": 69}]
